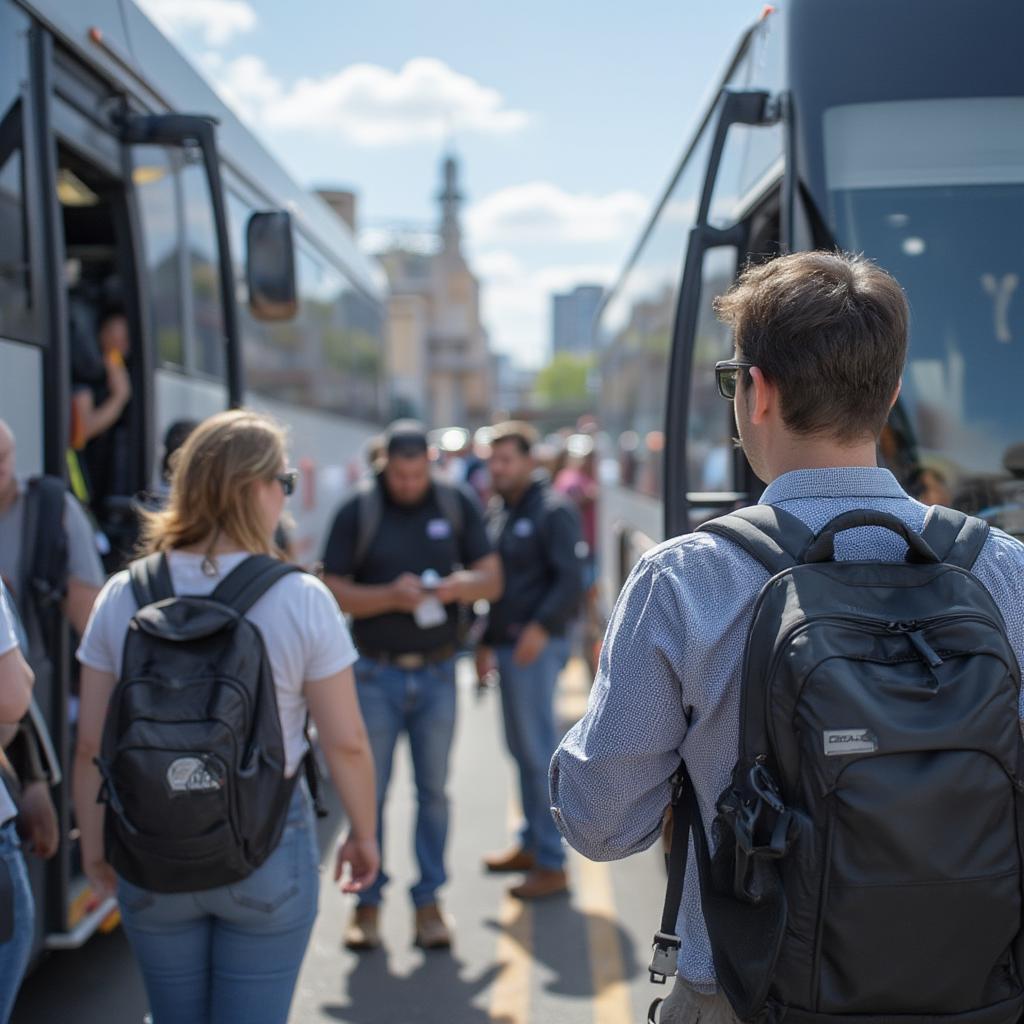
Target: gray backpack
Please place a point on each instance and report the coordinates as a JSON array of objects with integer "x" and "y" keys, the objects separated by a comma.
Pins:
[{"x": 865, "y": 861}]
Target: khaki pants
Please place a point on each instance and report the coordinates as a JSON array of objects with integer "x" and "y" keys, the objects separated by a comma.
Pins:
[{"x": 684, "y": 1006}]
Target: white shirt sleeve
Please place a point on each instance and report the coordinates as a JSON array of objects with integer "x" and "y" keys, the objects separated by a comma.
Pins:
[
  {"x": 104, "y": 634},
  {"x": 329, "y": 647},
  {"x": 8, "y": 636}
]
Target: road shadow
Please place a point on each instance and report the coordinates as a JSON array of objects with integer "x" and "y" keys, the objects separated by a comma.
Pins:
[
  {"x": 377, "y": 996},
  {"x": 559, "y": 940}
]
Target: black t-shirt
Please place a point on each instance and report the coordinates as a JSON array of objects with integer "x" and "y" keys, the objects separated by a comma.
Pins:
[{"x": 409, "y": 539}]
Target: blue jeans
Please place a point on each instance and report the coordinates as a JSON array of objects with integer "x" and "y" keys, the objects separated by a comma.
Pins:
[
  {"x": 422, "y": 703},
  {"x": 230, "y": 955},
  {"x": 528, "y": 707},
  {"x": 15, "y": 952}
]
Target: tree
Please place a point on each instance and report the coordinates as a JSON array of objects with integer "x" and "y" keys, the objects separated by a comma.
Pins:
[{"x": 564, "y": 381}]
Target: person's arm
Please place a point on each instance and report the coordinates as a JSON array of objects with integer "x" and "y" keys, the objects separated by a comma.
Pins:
[
  {"x": 334, "y": 708},
  {"x": 85, "y": 570},
  {"x": 96, "y": 688},
  {"x": 16, "y": 680},
  {"x": 560, "y": 536},
  {"x": 610, "y": 776},
  {"x": 93, "y": 419},
  {"x": 482, "y": 581},
  {"x": 365, "y": 600}
]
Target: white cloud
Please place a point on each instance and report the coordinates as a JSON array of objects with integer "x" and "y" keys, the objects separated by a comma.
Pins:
[
  {"x": 540, "y": 211},
  {"x": 216, "y": 21},
  {"x": 370, "y": 105}
]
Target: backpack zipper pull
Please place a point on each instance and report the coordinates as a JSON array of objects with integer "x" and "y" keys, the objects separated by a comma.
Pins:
[{"x": 927, "y": 652}]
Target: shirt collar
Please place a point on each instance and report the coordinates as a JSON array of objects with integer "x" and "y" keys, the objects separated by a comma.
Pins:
[{"x": 838, "y": 482}]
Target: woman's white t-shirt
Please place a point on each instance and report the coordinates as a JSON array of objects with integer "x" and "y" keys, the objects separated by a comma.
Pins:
[
  {"x": 8, "y": 641},
  {"x": 305, "y": 635}
]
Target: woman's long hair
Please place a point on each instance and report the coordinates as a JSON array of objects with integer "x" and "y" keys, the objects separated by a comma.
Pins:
[{"x": 213, "y": 483}]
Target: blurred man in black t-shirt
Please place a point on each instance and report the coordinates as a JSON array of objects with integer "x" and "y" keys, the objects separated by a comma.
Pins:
[{"x": 402, "y": 555}]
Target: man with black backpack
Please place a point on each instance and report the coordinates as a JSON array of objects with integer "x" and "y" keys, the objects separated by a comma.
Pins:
[
  {"x": 826, "y": 690},
  {"x": 403, "y": 554}
]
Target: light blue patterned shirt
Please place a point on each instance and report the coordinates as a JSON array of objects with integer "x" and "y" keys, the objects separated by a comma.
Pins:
[{"x": 668, "y": 685}]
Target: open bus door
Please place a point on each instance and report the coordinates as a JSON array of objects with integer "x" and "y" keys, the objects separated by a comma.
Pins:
[
  {"x": 95, "y": 250},
  {"x": 705, "y": 475}
]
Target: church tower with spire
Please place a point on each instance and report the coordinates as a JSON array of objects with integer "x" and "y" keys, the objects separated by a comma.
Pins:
[{"x": 450, "y": 199}]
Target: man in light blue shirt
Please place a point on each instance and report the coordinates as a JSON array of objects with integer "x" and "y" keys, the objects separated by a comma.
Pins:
[{"x": 820, "y": 347}]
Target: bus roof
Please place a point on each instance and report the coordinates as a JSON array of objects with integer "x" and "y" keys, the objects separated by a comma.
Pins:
[{"x": 117, "y": 39}]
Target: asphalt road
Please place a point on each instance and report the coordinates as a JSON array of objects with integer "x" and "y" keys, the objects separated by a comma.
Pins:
[{"x": 577, "y": 960}]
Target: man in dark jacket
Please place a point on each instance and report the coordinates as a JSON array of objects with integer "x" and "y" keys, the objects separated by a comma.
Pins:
[{"x": 537, "y": 534}]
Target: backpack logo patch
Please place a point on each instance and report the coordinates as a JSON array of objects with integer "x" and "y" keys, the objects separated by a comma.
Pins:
[
  {"x": 190, "y": 775},
  {"x": 839, "y": 742}
]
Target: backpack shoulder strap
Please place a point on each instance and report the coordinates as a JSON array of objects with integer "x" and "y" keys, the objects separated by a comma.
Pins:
[
  {"x": 248, "y": 582},
  {"x": 44, "y": 539},
  {"x": 955, "y": 537},
  {"x": 776, "y": 538},
  {"x": 450, "y": 502},
  {"x": 151, "y": 579},
  {"x": 368, "y": 515}
]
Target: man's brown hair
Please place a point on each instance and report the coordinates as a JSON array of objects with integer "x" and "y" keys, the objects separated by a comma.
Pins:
[
  {"x": 524, "y": 435},
  {"x": 829, "y": 330}
]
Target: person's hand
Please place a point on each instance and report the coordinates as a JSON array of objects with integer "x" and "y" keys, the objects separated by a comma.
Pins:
[
  {"x": 363, "y": 859},
  {"x": 102, "y": 881},
  {"x": 118, "y": 381},
  {"x": 406, "y": 592},
  {"x": 449, "y": 590},
  {"x": 531, "y": 644},
  {"x": 37, "y": 820}
]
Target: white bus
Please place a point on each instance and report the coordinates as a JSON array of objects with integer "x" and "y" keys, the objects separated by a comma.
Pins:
[
  {"x": 888, "y": 127},
  {"x": 125, "y": 181}
]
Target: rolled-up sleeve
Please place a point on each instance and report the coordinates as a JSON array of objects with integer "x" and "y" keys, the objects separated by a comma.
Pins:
[{"x": 610, "y": 777}]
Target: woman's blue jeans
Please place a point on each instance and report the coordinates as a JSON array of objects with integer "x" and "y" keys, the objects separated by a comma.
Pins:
[
  {"x": 230, "y": 955},
  {"x": 14, "y": 953}
]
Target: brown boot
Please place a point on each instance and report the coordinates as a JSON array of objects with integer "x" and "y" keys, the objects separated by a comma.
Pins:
[
  {"x": 432, "y": 931},
  {"x": 363, "y": 932},
  {"x": 541, "y": 883},
  {"x": 516, "y": 859}
]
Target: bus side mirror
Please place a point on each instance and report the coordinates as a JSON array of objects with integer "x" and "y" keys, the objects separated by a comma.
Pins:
[{"x": 270, "y": 266}]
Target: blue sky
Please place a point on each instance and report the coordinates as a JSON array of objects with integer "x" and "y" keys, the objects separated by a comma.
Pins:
[{"x": 567, "y": 118}]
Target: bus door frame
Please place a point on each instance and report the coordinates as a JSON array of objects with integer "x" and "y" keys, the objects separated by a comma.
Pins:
[
  {"x": 199, "y": 131},
  {"x": 751, "y": 107}
]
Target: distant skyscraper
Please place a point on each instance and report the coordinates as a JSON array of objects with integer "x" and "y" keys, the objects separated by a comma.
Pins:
[{"x": 572, "y": 319}]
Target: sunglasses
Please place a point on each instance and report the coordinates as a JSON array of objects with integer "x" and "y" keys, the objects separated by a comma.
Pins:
[
  {"x": 288, "y": 481},
  {"x": 727, "y": 372}
]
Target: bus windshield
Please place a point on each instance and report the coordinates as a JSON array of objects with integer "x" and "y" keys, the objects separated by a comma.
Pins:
[{"x": 932, "y": 190}]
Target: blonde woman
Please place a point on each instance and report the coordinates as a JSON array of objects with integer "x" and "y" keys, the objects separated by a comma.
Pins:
[{"x": 231, "y": 953}]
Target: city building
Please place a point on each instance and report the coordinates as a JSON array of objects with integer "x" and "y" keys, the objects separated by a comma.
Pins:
[
  {"x": 572, "y": 319},
  {"x": 439, "y": 364}
]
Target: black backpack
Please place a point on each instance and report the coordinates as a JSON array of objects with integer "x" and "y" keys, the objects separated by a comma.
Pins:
[
  {"x": 866, "y": 862},
  {"x": 192, "y": 757}
]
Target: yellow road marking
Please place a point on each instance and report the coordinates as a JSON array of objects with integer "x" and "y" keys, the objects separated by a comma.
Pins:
[
  {"x": 595, "y": 899},
  {"x": 510, "y": 996}
]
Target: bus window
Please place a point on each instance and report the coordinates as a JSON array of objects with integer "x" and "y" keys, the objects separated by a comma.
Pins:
[
  {"x": 15, "y": 283},
  {"x": 932, "y": 189},
  {"x": 156, "y": 186},
  {"x": 203, "y": 272},
  {"x": 710, "y": 425}
]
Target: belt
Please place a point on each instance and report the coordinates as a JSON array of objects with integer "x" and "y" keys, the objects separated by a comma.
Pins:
[{"x": 412, "y": 659}]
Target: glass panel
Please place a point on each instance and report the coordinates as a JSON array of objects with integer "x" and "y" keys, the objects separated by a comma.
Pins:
[
  {"x": 711, "y": 427},
  {"x": 635, "y": 329},
  {"x": 155, "y": 180},
  {"x": 933, "y": 191},
  {"x": 203, "y": 272},
  {"x": 15, "y": 281},
  {"x": 330, "y": 356}
]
